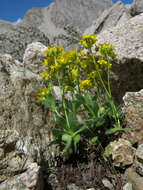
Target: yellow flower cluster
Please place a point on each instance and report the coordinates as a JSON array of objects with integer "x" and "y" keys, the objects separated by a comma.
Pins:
[
  {"x": 88, "y": 41},
  {"x": 74, "y": 69},
  {"x": 104, "y": 63},
  {"x": 85, "y": 85},
  {"x": 42, "y": 94}
]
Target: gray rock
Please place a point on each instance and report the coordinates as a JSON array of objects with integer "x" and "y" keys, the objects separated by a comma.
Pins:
[
  {"x": 139, "y": 160},
  {"x": 20, "y": 110},
  {"x": 80, "y": 13},
  {"x": 73, "y": 187},
  {"x": 33, "y": 55},
  {"x": 133, "y": 102},
  {"x": 137, "y": 7},
  {"x": 133, "y": 178},
  {"x": 107, "y": 184},
  {"x": 128, "y": 186},
  {"x": 121, "y": 152},
  {"x": 116, "y": 15},
  {"x": 64, "y": 20},
  {"x": 29, "y": 180},
  {"x": 15, "y": 38},
  {"x": 128, "y": 67}
]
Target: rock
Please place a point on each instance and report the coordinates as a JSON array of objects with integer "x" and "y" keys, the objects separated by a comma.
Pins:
[
  {"x": 12, "y": 161},
  {"x": 20, "y": 111},
  {"x": 127, "y": 69},
  {"x": 107, "y": 184},
  {"x": 133, "y": 178},
  {"x": 134, "y": 116},
  {"x": 33, "y": 56},
  {"x": 15, "y": 38},
  {"x": 73, "y": 187},
  {"x": 116, "y": 15},
  {"x": 126, "y": 38},
  {"x": 54, "y": 20},
  {"x": 29, "y": 180},
  {"x": 128, "y": 186},
  {"x": 122, "y": 153},
  {"x": 139, "y": 160},
  {"x": 137, "y": 7}
]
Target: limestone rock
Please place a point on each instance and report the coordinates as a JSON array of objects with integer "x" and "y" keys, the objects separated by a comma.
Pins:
[
  {"x": 116, "y": 15},
  {"x": 122, "y": 153},
  {"x": 64, "y": 20},
  {"x": 126, "y": 38},
  {"x": 29, "y": 180},
  {"x": 139, "y": 160},
  {"x": 33, "y": 55},
  {"x": 128, "y": 186},
  {"x": 137, "y": 7},
  {"x": 15, "y": 38},
  {"x": 127, "y": 69},
  {"x": 134, "y": 116},
  {"x": 21, "y": 112},
  {"x": 133, "y": 178}
]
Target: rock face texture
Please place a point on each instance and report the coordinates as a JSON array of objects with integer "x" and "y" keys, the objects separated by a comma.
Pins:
[
  {"x": 134, "y": 116},
  {"x": 116, "y": 15},
  {"x": 64, "y": 20},
  {"x": 137, "y": 7},
  {"x": 128, "y": 68},
  {"x": 15, "y": 38},
  {"x": 24, "y": 124},
  {"x": 29, "y": 180}
]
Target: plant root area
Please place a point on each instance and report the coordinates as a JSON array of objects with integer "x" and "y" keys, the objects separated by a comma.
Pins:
[{"x": 87, "y": 169}]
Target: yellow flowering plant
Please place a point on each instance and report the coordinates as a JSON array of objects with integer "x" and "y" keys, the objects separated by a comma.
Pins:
[{"x": 86, "y": 77}]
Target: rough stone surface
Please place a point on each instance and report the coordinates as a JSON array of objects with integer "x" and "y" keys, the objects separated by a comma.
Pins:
[
  {"x": 122, "y": 153},
  {"x": 132, "y": 177},
  {"x": 15, "y": 38},
  {"x": 128, "y": 186},
  {"x": 139, "y": 160},
  {"x": 21, "y": 112},
  {"x": 134, "y": 116},
  {"x": 64, "y": 20},
  {"x": 33, "y": 55},
  {"x": 126, "y": 38},
  {"x": 116, "y": 15},
  {"x": 137, "y": 7},
  {"x": 29, "y": 180},
  {"x": 128, "y": 68}
]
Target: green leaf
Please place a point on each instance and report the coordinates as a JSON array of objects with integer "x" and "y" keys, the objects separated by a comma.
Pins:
[
  {"x": 107, "y": 148},
  {"x": 57, "y": 132},
  {"x": 94, "y": 139},
  {"x": 50, "y": 102},
  {"x": 76, "y": 140},
  {"x": 68, "y": 139}
]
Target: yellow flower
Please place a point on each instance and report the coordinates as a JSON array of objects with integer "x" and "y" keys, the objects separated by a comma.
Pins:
[
  {"x": 42, "y": 94},
  {"x": 88, "y": 41},
  {"x": 45, "y": 75},
  {"x": 104, "y": 63},
  {"x": 86, "y": 84},
  {"x": 74, "y": 73}
]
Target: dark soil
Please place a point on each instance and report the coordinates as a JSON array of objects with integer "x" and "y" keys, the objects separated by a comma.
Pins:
[{"x": 86, "y": 170}]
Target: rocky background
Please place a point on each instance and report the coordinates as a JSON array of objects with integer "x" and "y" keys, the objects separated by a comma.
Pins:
[{"x": 25, "y": 126}]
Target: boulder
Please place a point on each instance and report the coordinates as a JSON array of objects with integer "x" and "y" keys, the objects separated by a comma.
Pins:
[
  {"x": 15, "y": 38},
  {"x": 133, "y": 102},
  {"x": 127, "y": 69},
  {"x": 64, "y": 20},
  {"x": 121, "y": 152},
  {"x": 116, "y": 15},
  {"x": 20, "y": 111},
  {"x": 137, "y": 7},
  {"x": 31, "y": 179}
]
